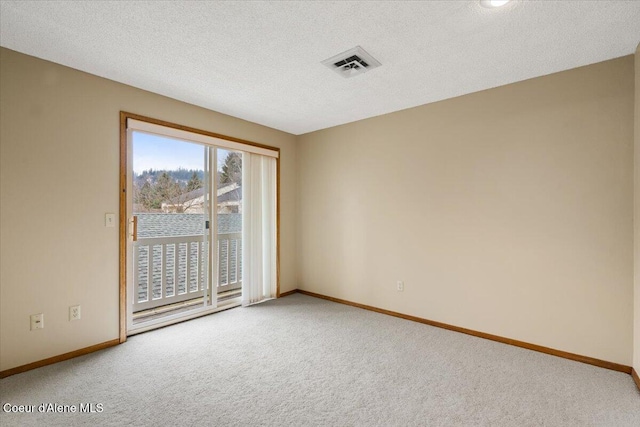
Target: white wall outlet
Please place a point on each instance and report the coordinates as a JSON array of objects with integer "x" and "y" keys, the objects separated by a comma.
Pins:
[
  {"x": 109, "y": 220},
  {"x": 400, "y": 286},
  {"x": 74, "y": 312},
  {"x": 37, "y": 321}
]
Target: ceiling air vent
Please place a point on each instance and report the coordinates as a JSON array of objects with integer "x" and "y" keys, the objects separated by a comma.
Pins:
[{"x": 352, "y": 62}]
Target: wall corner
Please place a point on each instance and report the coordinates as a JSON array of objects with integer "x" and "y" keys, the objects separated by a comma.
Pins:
[{"x": 636, "y": 215}]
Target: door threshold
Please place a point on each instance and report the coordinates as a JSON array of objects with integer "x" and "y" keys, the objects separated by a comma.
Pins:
[
  {"x": 164, "y": 311},
  {"x": 172, "y": 319}
]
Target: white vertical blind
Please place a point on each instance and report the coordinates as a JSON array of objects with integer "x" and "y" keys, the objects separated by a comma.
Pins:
[{"x": 258, "y": 228}]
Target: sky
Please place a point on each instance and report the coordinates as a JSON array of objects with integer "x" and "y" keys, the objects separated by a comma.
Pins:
[{"x": 159, "y": 152}]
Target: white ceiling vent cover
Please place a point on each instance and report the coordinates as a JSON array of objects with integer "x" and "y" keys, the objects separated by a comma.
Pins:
[{"x": 352, "y": 62}]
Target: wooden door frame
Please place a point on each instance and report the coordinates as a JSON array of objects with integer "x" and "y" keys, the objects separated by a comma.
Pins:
[{"x": 124, "y": 214}]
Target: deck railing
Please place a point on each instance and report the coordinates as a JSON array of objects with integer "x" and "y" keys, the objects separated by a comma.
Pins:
[{"x": 168, "y": 270}]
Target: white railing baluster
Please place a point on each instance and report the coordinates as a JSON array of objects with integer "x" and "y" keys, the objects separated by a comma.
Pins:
[
  {"x": 234, "y": 243},
  {"x": 163, "y": 268},
  {"x": 198, "y": 263},
  {"x": 136, "y": 276},
  {"x": 227, "y": 262},
  {"x": 201, "y": 265},
  {"x": 170, "y": 258},
  {"x": 148, "y": 274},
  {"x": 176, "y": 268},
  {"x": 197, "y": 267},
  {"x": 187, "y": 282},
  {"x": 219, "y": 245}
]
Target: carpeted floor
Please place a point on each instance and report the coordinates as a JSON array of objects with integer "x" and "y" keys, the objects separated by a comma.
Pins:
[{"x": 301, "y": 361}]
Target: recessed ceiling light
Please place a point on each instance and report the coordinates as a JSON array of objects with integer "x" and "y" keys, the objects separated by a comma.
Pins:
[{"x": 493, "y": 3}]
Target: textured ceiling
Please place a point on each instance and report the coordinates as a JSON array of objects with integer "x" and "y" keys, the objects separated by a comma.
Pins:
[{"x": 260, "y": 61}]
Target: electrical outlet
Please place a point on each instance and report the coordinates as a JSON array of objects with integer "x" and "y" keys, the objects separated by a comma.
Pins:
[
  {"x": 74, "y": 312},
  {"x": 37, "y": 321},
  {"x": 400, "y": 286}
]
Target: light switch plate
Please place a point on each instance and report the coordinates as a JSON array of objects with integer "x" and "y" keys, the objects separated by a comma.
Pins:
[{"x": 110, "y": 220}]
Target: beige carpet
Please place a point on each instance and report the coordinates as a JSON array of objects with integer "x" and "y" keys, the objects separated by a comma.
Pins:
[{"x": 302, "y": 361}]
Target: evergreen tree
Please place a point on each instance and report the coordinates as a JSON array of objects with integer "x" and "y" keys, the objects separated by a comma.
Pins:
[
  {"x": 194, "y": 182},
  {"x": 232, "y": 169}
]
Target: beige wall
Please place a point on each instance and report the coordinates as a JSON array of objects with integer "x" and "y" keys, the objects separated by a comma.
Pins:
[
  {"x": 508, "y": 211},
  {"x": 636, "y": 293},
  {"x": 59, "y": 169}
]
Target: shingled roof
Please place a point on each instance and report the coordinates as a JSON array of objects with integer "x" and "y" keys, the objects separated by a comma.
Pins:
[{"x": 181, "y": 224}]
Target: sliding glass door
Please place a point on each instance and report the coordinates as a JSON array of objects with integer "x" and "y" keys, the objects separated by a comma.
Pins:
[
  {"x": 198, "y": 224},
  {"x": 172, "y": 233}
]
